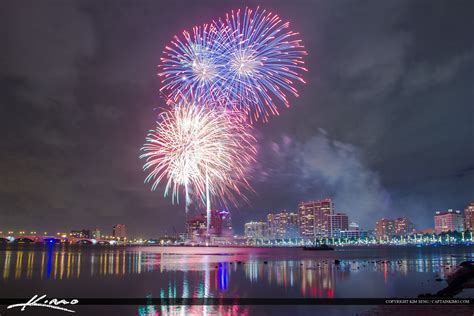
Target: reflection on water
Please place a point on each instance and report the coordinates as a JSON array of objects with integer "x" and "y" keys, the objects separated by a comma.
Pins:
[
  {"x": 177, "y": 273},
  {"x": 63, "y": 264},
  {"x": 316, "y": 277},
  {"x": 152, "y": 310}
]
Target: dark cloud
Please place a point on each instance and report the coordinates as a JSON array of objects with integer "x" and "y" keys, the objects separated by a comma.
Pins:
[
  {"x": 384, "y": 125},
  {"x": 45, "y": 44},
  {"x": 425, "y": 76},
  {"x": 323, "y": 167}
]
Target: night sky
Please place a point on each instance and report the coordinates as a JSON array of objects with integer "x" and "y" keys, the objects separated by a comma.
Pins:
[{"x": 384, "y": 125}]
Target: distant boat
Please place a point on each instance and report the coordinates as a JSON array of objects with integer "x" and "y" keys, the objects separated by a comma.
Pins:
[{"x": 322, "y": 247}]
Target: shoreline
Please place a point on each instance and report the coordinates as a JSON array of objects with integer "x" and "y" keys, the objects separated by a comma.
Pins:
[{"x": 13, "y": 246}]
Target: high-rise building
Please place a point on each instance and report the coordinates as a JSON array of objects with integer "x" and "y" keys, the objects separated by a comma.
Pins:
[
  {"x": 306, "y": 219},
  {"x": 292, "y": 227},
  {"x": 384, "y": 228},
  {"x": 337, "y": 222},
  {"x": 449, "y": 221},
  {"x": 469, "y": 217},
  {"x": 281, "y": 221},
  {"x": 226, "y": 218},
  {"x": 313, "y": 218},
  {"x": 403, "y": 226},
  {"x": 321, "y": 218},
  {"x": 282, "y": 225},
  {"x": 221, "y": 223},
  {"x": 196, "y": 227},
  {"x": 219, "y": 226},
  {"x": 215, "y": 226},
  {"x": 387, "y": 228},
  {"x": 271, "y": 225},
  {"x": 256, "y": 230},
  {"x": 277, "y": 224},
  {"x": 119, "y": 231}
]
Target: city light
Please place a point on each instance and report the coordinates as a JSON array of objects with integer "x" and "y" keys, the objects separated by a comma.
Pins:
[{"x": 281, "y": 229}]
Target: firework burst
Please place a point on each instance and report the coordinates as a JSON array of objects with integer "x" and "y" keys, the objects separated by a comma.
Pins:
[
  {"x": 250, "y": 60},
  {"x": 263, "y": 61},
  {"x": 192, "y": 65},
  {"x": 205, "y": 151}
]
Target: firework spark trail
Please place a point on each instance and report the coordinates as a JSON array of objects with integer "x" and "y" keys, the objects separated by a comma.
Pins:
[
  {"x": 250, "y": 60},
  {"x": 205, "y": 150},
  {"x": 191, "y": 67},
  {"x": 264, "y": 59}
]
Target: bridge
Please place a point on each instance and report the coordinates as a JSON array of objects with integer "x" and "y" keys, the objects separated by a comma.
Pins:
[{"x": 30, "y": 239}]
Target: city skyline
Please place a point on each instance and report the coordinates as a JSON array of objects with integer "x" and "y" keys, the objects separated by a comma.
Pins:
[
  {"x": 384, "y": 128},
  {"x": 399, "y": 223},
  {"x": 339, "y": 225},
  {"x": 278, "y": 226}
]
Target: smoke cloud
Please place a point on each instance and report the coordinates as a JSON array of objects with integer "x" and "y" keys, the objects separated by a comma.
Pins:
[{"x": 323, "y": 167}]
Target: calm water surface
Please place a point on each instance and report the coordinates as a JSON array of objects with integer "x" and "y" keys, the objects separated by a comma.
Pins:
[{"x": 140, "y": 272}]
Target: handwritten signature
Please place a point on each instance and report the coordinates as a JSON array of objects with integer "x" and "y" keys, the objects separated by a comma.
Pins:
[{"x": 40, "y": 301}]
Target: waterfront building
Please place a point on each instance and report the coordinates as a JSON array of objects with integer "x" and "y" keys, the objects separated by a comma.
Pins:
[
  {"x": 119, "y": 231},
  {"x": 353, "y": 226},
  {"x": 84, "y": 233},
  {"x": 449, "y": 221},
  {"x": 75, "y": 233},
  {"x": 313, "y": 218},
  {"x": 221, "y": 223},
  {"x": 222, "y": 240},
  {"x": 371, "y": 234},
  {"x": 271, "y": 226},
  {"x": 354, "y": 232},
  {"x": 321, "y": 217},
  {"x": 256, "y": 230},
  {"x": 215, "y": 225},
  {"x": 338, "y": 222},
  {"x": 282, "y": 225},
  {"x": 184, "y": 237},
  {"x": 306, "y": 219},
  {"x": 196, "y": 228},
  {"x": 292, "y": 230},
  {"x": 61, "y": 234},
  {"x": 276, "y": 224},
  {"x": 385, "y": 228},
  {"x": 220, "y": 226},
  {"x": 350, "y": 234},
  {"x": 96, "y": 234},
  {"x": 239, "y": 240},
  {"x": 403, "y": 226},
  {"x": 469, "y": 217},
  {"x": 226, "y": 219}
]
